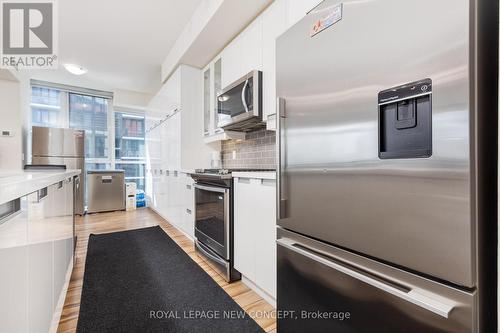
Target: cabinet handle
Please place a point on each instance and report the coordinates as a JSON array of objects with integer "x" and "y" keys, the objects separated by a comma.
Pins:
[
  {"x": 188, "y": 187},
  {"x": 188, "y": 210},
  {"x": 42, "y": 193},
  {"x": 268, "y": 182},
  {"x": 161, "y": 172},
  {"x": 60, "y": 185},
  {"x": 175, "y": 173},
  {"x": 9, "y": 210}
]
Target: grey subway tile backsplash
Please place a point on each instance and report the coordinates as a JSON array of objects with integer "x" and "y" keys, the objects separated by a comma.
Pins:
[{"x": 257, "y": 151}]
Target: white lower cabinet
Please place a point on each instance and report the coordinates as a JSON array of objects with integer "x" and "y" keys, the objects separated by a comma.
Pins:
[
  {"x": 36, "y": 248},
  {"x": 188, "y": 207},
  {"x": 255, "y": 231},
  {"x": 40, "y": 264},
  {"x": 14, "y": 270},
  {"x": 175, "y": 200}
]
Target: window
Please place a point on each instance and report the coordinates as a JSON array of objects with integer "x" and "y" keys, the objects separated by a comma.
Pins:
[
  {"x": 46, "y": 108},
  {"x": 134, "y": 172},
  {"x": 130, "y": 146},
  {"x": 129, "y": 136},
  {"x": 54, "y": 105},
  {"x": 90, "y": 113},
  {"x": 97, "y": 166}
]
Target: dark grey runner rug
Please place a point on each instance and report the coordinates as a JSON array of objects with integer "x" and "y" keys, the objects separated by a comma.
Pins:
[{"x": 142, "y": 281}]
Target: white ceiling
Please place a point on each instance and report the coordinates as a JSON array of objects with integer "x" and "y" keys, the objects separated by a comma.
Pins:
[{"x": 121, "y": 42}]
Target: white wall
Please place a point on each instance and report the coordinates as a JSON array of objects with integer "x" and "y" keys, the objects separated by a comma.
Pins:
[
  {"x": 130, "y": 99},
  {"x": 11, "y": 120}
]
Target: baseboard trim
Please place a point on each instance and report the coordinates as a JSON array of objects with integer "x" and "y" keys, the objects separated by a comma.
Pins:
[
  {"x": 259, "y": 291},
  {"x": 172, "y": 224}
]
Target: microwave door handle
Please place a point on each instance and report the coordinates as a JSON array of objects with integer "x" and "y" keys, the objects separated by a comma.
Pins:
[
  {"x": 243, "y": 96},
  {"x": 414, "y": 296}
]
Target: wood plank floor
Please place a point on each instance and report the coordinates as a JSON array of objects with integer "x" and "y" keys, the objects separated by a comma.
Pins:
[{"x": 120, "y": 221}]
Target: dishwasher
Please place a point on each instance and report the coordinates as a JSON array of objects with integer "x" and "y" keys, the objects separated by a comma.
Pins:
[{"x": 105, "y": 190}]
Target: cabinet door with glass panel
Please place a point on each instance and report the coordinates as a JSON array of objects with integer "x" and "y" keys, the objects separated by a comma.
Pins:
[{"x": 212, "y": 75}]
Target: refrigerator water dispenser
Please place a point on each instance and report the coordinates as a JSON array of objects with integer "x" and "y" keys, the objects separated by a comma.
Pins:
[{"x": 405, "y": 121}]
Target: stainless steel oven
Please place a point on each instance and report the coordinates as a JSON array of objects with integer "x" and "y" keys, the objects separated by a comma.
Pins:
[
  {"x": 214, "y": 221},
  {"x": 212, "y": 217},
  {"x": 239, "y": 105}
]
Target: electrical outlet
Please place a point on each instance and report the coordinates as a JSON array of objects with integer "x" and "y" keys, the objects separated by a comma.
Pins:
[{"x": 7, "y": 133}]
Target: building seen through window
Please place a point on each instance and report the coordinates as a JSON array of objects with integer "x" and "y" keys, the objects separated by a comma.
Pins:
[
  {"x": 130, "y": 146},
  {"x": 51, "y": 107}
]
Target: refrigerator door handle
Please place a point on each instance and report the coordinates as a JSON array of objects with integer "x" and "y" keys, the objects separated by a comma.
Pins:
[
  {"x": 413, "y": 296},
  {"x": 280, "y": 157}
]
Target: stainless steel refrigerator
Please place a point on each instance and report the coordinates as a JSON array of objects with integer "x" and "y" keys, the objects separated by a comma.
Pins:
[
  {"x": 61, "y": 146},
  {"x": 387, "y": 167}
]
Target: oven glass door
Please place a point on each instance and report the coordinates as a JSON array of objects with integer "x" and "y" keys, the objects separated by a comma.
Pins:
[
  {"x": 236, "y": 101},
  {"x": 212, "y": 217}
]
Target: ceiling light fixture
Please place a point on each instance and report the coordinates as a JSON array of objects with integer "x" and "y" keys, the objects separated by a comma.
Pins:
[{"x": 75, "y": 69}]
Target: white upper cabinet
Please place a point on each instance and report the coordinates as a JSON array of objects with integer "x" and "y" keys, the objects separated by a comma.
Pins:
[
  {"x": 251, "y": 48},
  {"x": 174, "y": 138},
  {"x": 231, "y": 62},
  {"x": 212, "y": 85},
  {"x": 169, "y": 96},
  {"x": 217, "y": 87},
  {"x": 243, "y": 54}
]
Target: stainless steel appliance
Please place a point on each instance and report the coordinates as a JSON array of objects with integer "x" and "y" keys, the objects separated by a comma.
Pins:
[
  {"x": 106, "y": 190},
  {"x": 239, "y": 105},
  {"x": 214, "y": 220},
  {"x": 387, "y": 166},
  {"x": 61, "y": 146}
]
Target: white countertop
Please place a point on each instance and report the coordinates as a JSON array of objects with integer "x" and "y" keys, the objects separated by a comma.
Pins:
[
  {"x": 254, "y": 174},
  {"x": 16, "y": 184}
]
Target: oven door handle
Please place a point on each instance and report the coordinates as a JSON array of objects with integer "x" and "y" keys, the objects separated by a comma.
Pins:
[
  {"x": 211, "y": 189},
  {"x": 206, "y": 251}
]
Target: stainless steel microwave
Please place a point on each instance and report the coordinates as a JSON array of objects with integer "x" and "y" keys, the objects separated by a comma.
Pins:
[{"x": 239, "y": 105}]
